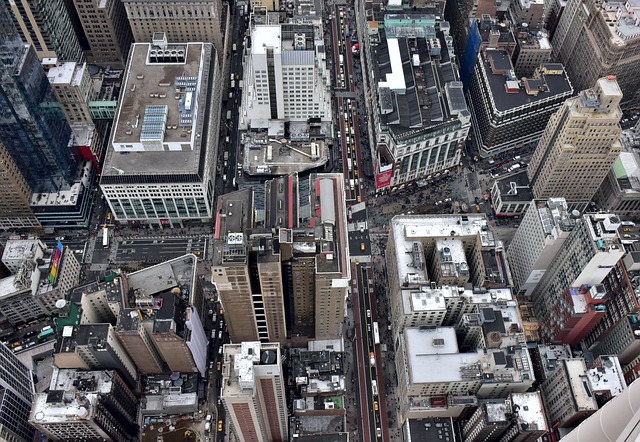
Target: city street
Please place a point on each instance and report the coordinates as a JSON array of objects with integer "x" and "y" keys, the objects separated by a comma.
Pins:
[{"x": 156, "y": 249}]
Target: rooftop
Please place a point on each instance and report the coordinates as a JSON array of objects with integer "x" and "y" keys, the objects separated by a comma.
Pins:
[
  {"x": 497, "y": 410},
  {"x": 63, "y": 406},
  {"x": 509, "y": 92},
  {"x": 555, "y": 216},
  {"x": 607, "y": 375},
  {"x": 159, "y": 126},
  {"x": 68, "y": 72},
  {"x": 581, "y": 391},
  {"x": 515, "y": 187},
  {"x": 240, "y": 362},
  {"x": 530, "y": 410},
  {"x": 18, "y": 249},
  {"x": 98, "y": 381},
  {"x": 431, "y": 429}
]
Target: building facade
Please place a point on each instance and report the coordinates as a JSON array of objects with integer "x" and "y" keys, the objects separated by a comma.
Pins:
[
  {"x": 73, "y": 87},
  {"x": 47, "y": 25},
  {"x": 107, "y": 30},
  {"x": 181, "y": 21},
  {"x": 253, "y": 391},
  {"x": 16, "y": 387},
  {"x": 511, "y": 112},
  {"x": 579, "y": 145},
  {"x": 15, "y": 210},
  {"x": 594, "y": 39}
]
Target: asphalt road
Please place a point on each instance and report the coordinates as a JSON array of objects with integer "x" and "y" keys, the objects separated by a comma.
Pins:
[{"x": 157, "y": 249}]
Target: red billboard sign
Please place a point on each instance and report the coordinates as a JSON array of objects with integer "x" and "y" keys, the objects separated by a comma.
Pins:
[{"x": 383, "y": 179}]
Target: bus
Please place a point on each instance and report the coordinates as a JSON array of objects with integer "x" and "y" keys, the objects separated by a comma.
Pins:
[
  {"x": 376, "y": 334},
  {"x": 46, "y": 331},
  {"x": 105, "y": 237}
]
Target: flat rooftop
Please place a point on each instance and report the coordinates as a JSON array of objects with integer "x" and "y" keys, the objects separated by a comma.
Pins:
[
  {"x": 607, "y": 375},
  {"x": 177, "y": 272},
  {"x": 515, "y": 187},
  {"x": 52, "y": 407},
  {"x": 530, "y": 410},
  {"x": 496, "y": 64},
  {"x": 18, "y": 249},
  {"x": 576, "y": 371},
  {"x": 432, "y": 430},
  {"x": 98, "y": 381}
]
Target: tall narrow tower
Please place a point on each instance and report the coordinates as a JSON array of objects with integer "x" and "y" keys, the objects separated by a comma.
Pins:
[
  {"x": 253, "y": 392},
  {"x": 579, "y": 145},
  {"x": 16, "y": 394}
]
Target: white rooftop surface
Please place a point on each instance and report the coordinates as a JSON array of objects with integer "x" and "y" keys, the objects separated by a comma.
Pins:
[
  {"x": 455, "y": 248},
  {"x": 62, "y": 379},
  {"x": 160, "y": 277},
  {"x": 531, "y": 409},
  {"x": 18, "y": 249},
  {"x": 63, "y": 73},
  {"x": 610, "y": 87},
  {"x": 168, "y": 401},
  {"x": 328, "y": 345},
  {"x": 394, "y": 80},
  {"x": 579, "y": 303},
  {"x": 577, "y": 370},
  {"x": 266, "y": 36},
  {"x": 407, "y": 229},
  {"x": 424, "y": 300},
  {"x": 62, "y": 198},
  {"x": 608, "y": 376},
  {"x": 497, "y": 411},
  {"x": 7, "y": 286},
  {"x": 73, "y": 411},
  {"x": 543, "y": 41}
]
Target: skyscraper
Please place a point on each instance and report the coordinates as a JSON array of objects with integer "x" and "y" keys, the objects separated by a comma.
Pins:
[
  {"x": 46, "y": 25},
  {"x": 107, "y": 29},
  {"x": 597, "y": 38},
  {"x": 16, "y": 394},
  {"x": 253, "y": 391},
  {"x": 579, "y": 145},
  {"x": 182, "y": 21},
  {"x": 32, "y": 125},
  {"x": 15, "y": 211}
]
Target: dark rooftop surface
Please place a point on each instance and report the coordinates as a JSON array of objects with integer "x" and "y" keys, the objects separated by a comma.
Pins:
[
  {"x": 431, "y": 430},
  {"x": 498, "y": 61},
  {"x": 520, "y": 192}
]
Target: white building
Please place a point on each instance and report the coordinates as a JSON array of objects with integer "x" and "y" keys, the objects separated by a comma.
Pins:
[
  {"x": 286, "y": 77},
  {"x": 159, "y": 169}
]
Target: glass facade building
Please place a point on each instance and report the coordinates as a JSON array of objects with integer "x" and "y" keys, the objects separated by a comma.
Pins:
[{"x": 16, "y": 394}]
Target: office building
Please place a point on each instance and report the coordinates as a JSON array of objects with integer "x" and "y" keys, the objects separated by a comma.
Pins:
[
  {"x": 433, "y": 372},
  {"x": 135, "y": 335},
  {"x": 247, "y": 272},
  {"x": 181, "y": 21},
  {"x": 169, "y": 299},
  {"x": 511, "y": 194},
  {"x": 16, "y": 394},
  {"x": 595, "y": 39},
  {"x": 40, "y": 277},
  {"x": 511, "y": 112},
  {"x": 420, "y": 115},
  {"x": 169, "y": 394},
  {"x": 546, "y": 357},
  {"x": 107, "y": 30},
  {"x": 269, "y": 5},
  {"x": 286, "y": 77},
  {"x": 533, "y": 49},
  {"x": 567, "y": 398},
  {"x": 579, "y": 145},
  {"x": 86, "y": 405},
  {"x": 588, "y": 254},
  {"x": 37, "y": 141},
  {"x": 94, "y": 347},
  {"x": 622, "y": 339},
  {"x": 253, "y": 391},
  {"x": 159, "y": 169},
  {"x": 529, "y": 420},
  {"x": 15, "y": 210},
  {"x": 489, "y": 421},
  {"x": 542, "y": 232},
  {"x": 620, "y": 190},
  {"x": 617, "y": 420},
  {"x": 47, "y": 25},
  {"x": 73, "y": 87}
]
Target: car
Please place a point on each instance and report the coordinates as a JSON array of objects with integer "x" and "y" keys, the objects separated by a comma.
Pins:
[
  {"x": 221, "y": 312},
  {"x": 208, "y": 418},
  {"x": 239, "y": 166},
  {"x": 224, "y": 178},
  {"x": 220, "y": 350},
  {"x": 375, "y": 405},
  {"x": 219, "y": 425},
  {"x": 221, "y": 321},
  {"x": 30, "y": 333},
  {"x": 368, "y": 313},
  {"x": 378, "y": 432},
  {"x": 218, "y": 365},
  {"x": 220, "y": 334},
  {"x": 207, "y": 427},
  {"x": 478, "y": 209},
  {"x": 219, "y": 402},
  {"x": 363, "y": 247},
  {"x": 627, "y": 229}
]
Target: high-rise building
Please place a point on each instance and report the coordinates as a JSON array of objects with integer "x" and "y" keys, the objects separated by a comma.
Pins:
[
  {"x": 46, "y": 25},
  {"x": 107, "y": 30},
  {"x": 159, "y": 167},
  {"x": 489, "y": 421},
  {"x": 542, "y": 232},
  {"x": 618, "y": 420},
  {"x": 36, "y": 140},
  {"x": 86, "y": 405},
  {"x": 247, "y": 272},
  {"x": 16, "y": 394},
  {"x": 182, "y": 21},
  {"x": 533, "y": 49},
  {"x": 286, "y": 77},
  {"x": 94, "y": 347},
  {"x": 511, "y": 112},
  {"x": 72, "y": 84},
  {"x": 135, "y": 336},
  {"x": 253, "y": 391},
  {"x": 594, "y": 39},
  {"x": 587, "y": 256},
  {"x": 568, "y": 398},
  {"x": 579, "y": 145},
  {"x": 15, "y": 210}
]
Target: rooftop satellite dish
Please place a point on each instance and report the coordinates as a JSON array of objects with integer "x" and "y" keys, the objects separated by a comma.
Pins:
[{"x": 61, "y": 303}]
